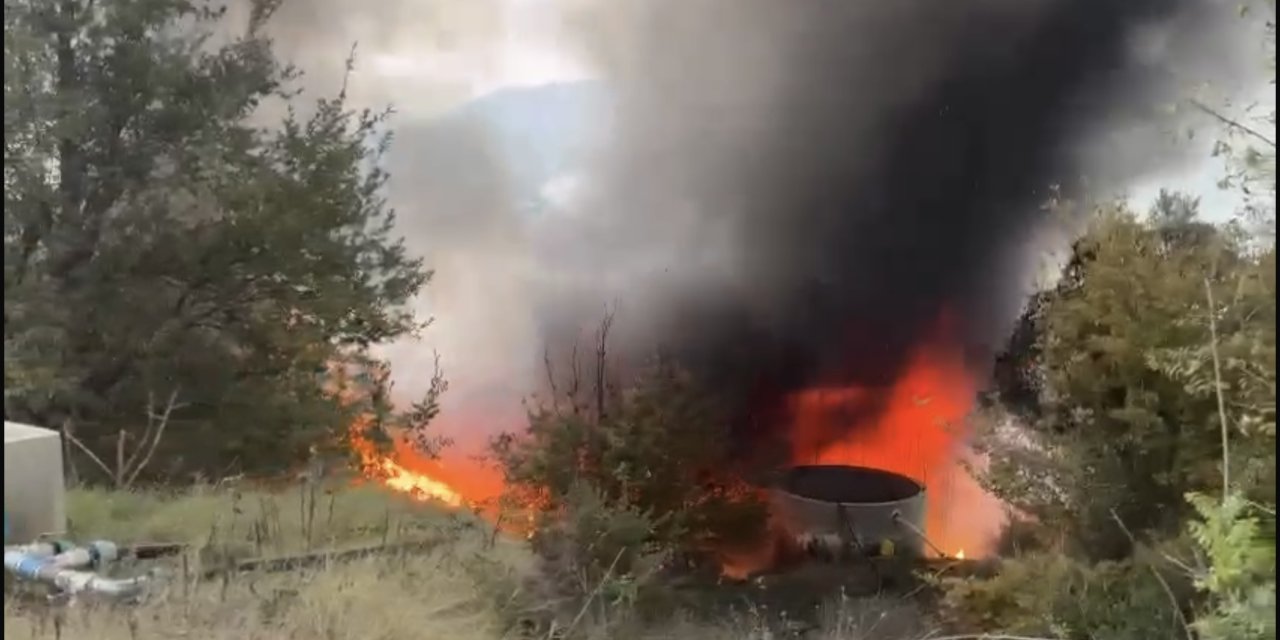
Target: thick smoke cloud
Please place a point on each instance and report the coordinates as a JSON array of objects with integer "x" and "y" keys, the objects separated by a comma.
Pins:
[
  {"x": 798, "y": 191},
  {"x": 793, "y": 192}
]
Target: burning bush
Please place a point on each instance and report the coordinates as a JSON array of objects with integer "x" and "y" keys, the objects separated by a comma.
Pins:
[
  {"x": 623, "y": 486},
  {"x": 661, "y": 448}
]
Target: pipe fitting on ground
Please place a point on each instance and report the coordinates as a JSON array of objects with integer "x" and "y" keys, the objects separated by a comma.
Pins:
[{"x": 45, "y": 569}]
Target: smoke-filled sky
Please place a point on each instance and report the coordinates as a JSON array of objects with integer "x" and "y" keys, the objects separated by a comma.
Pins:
[
  {"x": 822, "y": 182},
  {"x": 790, "y": 192}
]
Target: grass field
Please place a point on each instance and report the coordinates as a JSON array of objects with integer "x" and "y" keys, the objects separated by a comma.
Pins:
[{"x": 442, "y": 589}]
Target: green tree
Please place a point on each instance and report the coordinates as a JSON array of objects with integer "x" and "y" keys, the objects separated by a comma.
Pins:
[
  {"x": 1144, "y": 384},
  {"x": 161, "y": 246},
  {"x": 1127, "y": 422},
  {"x": 1249, "y": 142},
  {"x": 1151, "y": 377},
  {"x": 1235, "y": 534},
  {"x": 1239, "y": 574}
]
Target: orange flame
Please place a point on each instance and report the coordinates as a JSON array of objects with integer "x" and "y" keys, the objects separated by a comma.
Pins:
[
  {"x": 456, "y": 482},
  {"x": 918, "y": 431},
  {"x": 418, "y": 485},
  {"x": 386, "y": 469},
  {"x": 402, "y": 469}
]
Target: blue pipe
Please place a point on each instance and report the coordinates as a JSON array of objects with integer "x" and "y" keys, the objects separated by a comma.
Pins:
[
  {"x": 24, "y": 565},
  {"x": 47, "y": 568}
]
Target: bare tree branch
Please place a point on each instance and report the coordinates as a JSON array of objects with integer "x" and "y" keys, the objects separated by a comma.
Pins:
[
  {"x": 155, "y": 439},
  {"x": 129, "y": 466},
  {"x": 1164, "y": 584},
  {"x": 551, "y": 379},
  {"x": 1217, "y": 387},
  {"x": 66, "y": 433},
  {"x": 1232, "y": 123},
  {"x": 120, "y": 468},
  {"x": 575, "y": 380},
  {"x": 602, "y": 341},
  {"x": 146, "y": 434}
]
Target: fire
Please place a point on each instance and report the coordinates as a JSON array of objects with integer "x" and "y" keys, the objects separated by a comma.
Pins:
[
  {"x": 385, "y": 468},
  {"x": 741, "y": 563},
  {"x": 914, "y": 427},
  {"x": 917, "y": 429},
  {"x": 456, "y": 482},
  {"x": 415, "y": 484},
  {"x": 407, "y": 470}
]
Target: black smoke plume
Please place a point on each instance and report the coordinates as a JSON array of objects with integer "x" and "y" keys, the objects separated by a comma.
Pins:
[
  {"x": 794, "y": 191},
  {"x": 798, "y": 191}
]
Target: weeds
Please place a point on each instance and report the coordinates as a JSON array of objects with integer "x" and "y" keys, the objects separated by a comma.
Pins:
[
  {"x": 414, "y": 591},
  {"x": 438, "y": 575}
]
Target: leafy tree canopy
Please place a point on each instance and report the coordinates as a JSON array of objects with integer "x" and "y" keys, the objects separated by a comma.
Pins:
[
  {"x": 1126, "y": 419},
  {"x": 160, "y": 245}
]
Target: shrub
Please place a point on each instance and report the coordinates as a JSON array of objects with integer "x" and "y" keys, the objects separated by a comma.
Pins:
[
  {"x": 596, "y": 566},
  {"x": 1047, "y": 594},
  {"x": 1240, "y": 578},
  {"x": 661, "y": 449},
  {"x": 618, "y": 485}
]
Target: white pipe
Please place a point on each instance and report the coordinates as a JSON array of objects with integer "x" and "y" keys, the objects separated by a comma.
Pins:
[
  {"x": 37, "y": 549},
  {"x": 94, "y": 554}
]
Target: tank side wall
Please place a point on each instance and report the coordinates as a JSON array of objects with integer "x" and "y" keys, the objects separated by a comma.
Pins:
[{"x": 873, "y": 523}]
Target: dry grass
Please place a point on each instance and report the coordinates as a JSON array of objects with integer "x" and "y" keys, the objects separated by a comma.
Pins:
[
  {"x": 445, "y": 592},
  {"x": 388, "y": 599},
  {"x": 420, "y": 595}
]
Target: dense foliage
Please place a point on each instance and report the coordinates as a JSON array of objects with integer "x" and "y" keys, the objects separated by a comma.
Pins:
[
  {"x": 1153, "y": 379},
  {"x": 661, "y": 448},
  {"x": 1142, "y": 389},
  {"x": 1127, "y": 420},
  {"x": 169, "y": 262},
  {"x": 621, "y": 487},
  {"x": 1142, "y": 469}
]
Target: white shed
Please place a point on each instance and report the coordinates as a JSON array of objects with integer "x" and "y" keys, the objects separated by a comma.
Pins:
[{"x": 34, "y": 492}]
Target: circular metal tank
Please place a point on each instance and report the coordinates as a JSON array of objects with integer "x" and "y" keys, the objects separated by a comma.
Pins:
[{"x": 841, "y": 505}]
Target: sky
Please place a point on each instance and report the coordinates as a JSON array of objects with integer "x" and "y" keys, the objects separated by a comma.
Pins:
[
  {"x": 426, "y": 57},
  {"x": 1200, "y": 177},
  {"x": 524, "y": 53},
  {"x": 530, "y": 44}
]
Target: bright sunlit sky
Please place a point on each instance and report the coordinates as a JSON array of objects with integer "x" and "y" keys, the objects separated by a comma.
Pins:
[
  {"x": 526, "y": 44},
  {"x": 1197, "y": 178}
]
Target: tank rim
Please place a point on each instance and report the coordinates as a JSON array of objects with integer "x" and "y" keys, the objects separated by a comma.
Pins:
[{"x": 920, "y": 489}]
